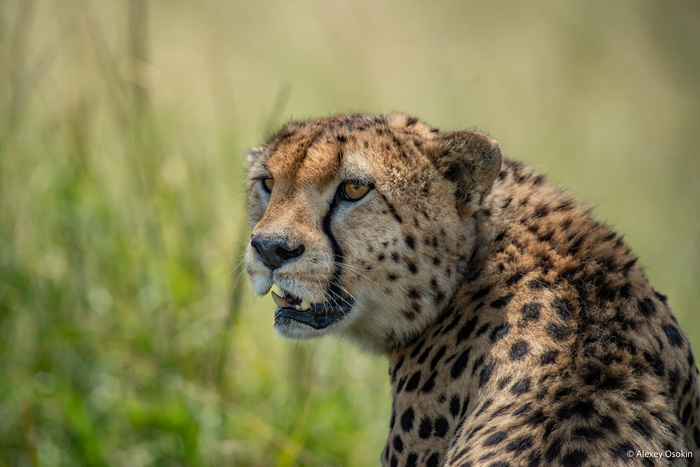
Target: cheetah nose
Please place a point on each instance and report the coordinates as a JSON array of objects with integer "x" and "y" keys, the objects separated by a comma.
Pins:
[{"x": 274, "y": 252}]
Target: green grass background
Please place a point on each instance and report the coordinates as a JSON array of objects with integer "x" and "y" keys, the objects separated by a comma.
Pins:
[{"x": 128, "y": 334}]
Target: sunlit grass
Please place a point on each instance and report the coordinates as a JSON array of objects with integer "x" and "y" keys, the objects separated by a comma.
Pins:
[{"x": 128, "y": 335}]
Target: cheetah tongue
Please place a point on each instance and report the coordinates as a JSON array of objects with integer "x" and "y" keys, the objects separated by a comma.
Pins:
[{"x": 291, "y": 301}]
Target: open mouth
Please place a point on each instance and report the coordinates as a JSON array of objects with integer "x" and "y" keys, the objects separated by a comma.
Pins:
[{"x": 316, "y": 315}]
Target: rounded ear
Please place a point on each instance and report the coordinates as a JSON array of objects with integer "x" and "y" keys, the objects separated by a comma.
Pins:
[
  {"x": 471, "y": 161},
  {"x": 253, "y": 154}
]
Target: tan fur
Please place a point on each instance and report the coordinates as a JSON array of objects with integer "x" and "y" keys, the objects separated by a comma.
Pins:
[{"x": 519, "y": 331}]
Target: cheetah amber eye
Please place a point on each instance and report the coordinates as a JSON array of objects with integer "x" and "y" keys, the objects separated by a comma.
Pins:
[
  {"x": 353, "y": 191},
  {"x": 267, "y": 184}
]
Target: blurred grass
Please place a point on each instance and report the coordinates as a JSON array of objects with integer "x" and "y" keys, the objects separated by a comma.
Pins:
[{"x": 127, "y": 333}]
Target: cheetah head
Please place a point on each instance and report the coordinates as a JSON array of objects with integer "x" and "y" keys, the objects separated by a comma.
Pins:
[{"x": 364, "y": 223}]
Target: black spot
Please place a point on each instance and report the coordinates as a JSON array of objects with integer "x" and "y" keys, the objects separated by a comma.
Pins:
[
  {"x": 454, "y": 406},
  {"x": 410, "y": 242},
  {"x": 428, "y": 386},
  {"x": 504, "y": 382},
  {"x": 558, "y": 331},
  {"x": 392, "y": 277},
  {"x": 687, "y": 385},
  {"x": 486, "y": 374},
  {"x": 437, "y": 357},
  {"x": 460, "y": 364},
  {"x": 391, "y": 208},
  {"x": 433, "y": 460},
  {"x": 483, "y": 329},
  {"x": 637, "y": 395},
  {"x": 696, "y": 435},
  {"x": 467, "y": 329},
  {"x": 673, "y": 334},
  {"x": 531, "y": 311},
  {"x": 522, "y": 410},
  {"x": 426, "y": 428},
  {"x": 394, "y": 461},
  {"x": 549, "y": 357},
  {"x": 521, "y": 386},
  {"x": 536, "y": 284},
  {"x": 502, "y": 410},
  {"x": 686, "y": 414},
  {"x": 479, "y": 361},
  {"x": 481, "y": 293},
  {"x": 518, "y": 445},
  {"x": 583, "y": 408},
  {"x": 393, "y": 419},
  {"x": 553, "y": 450},
  {"x": 499, "y": 332},
  {"x": 412, "y": 267},
  {"x": 621, "y": 450},
  {"x": 548, "y": 429},
  {"x": 575, "y": 458},
  {"x": 534, "y": 460},
  {"x": 514, "y": 279},
  {"x": 541, "y": 211},
  {"x": 441, "y": 427},
  {"x": 457, "y": 318},
  {"x": 612, "y": 383},
  {"x": 576, "y": 246},
  {"x": 628, "y": 265},
  {"x": 656, "y": 363},
  {"x": 439, "y": 296},
  {"x": 663, "y": 299},
  {"x": 646, "y": 307},
  {"x": 545, "y": 237},
  {"x": 407, "y": 419},
  {"x": 537, "y": 418},
  {"x": 412, "y": 460},
  {"x": 519, "y": 350},
  {"x": 563, "y": 309},
  {"x": 608, "y": 423},
  {"x": 495, "y": 438},
  {"x": 414, "y": 294},
  {"x": 399, "y": 387},
  {"x": 501, "y": 302},
  {"x": 413, "y": 382},
  {"x": 398, "y": 443},
  {"x": 561, "y": 393},
  {"x": 417, "y": 348},
  {"x": 642, "y": 428},
  {"x": 396, "y": 368}
]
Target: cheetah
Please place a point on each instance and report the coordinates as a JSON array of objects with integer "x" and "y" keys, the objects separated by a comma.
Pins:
[{"x": 518, "y": 330}]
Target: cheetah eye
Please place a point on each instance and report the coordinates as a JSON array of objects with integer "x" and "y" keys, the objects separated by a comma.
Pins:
[
  {"x": 267, "y": 184},
  {"x": 353, "y": 191}
]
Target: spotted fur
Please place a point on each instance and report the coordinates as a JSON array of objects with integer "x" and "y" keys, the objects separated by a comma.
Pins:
[{"x": 519, "y": 331}]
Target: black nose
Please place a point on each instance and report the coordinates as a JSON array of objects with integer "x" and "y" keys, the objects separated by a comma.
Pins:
[{"x": 275, "y": 251}]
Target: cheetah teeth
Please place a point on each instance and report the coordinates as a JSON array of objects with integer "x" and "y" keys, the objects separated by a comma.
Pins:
[
  {"x": 281, "y": 302},
  {"x": 285, "y": 302}
]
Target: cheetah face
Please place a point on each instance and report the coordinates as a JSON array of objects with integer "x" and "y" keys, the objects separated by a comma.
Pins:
[{"x": 359, "y": 225}]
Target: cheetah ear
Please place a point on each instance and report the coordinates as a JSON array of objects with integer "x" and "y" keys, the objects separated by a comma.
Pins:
[
  {"x": 471, "y": 161},
  {"x": 254, "y": 154}
]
